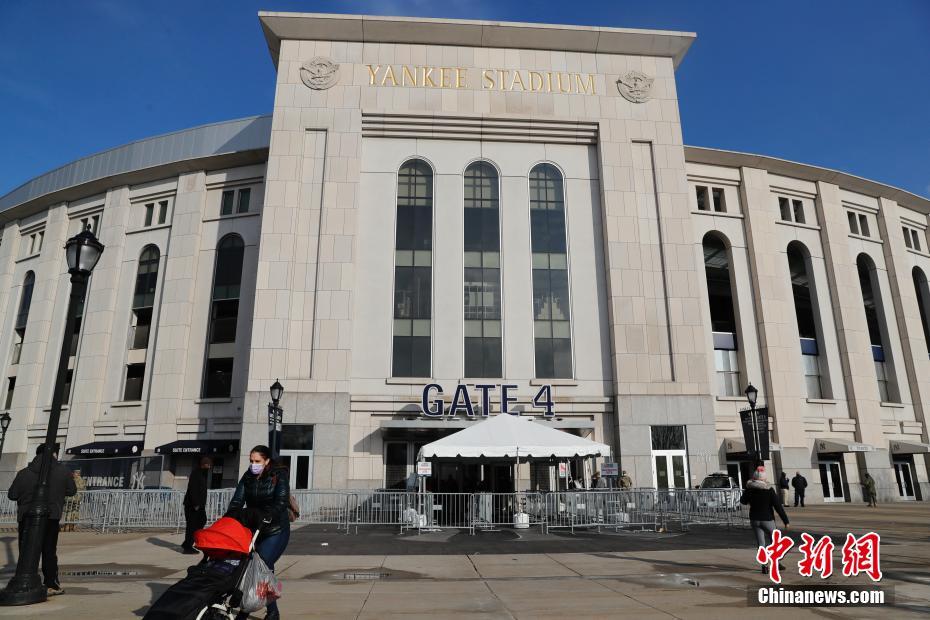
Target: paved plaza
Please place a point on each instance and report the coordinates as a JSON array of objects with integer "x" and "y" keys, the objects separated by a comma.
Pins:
[{"x": 703, "y": 573}]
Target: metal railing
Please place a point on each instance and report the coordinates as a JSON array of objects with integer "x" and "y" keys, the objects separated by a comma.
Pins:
[{"x": 644, "y": 509}]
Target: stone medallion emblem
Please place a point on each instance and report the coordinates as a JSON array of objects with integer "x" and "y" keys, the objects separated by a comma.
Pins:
[
  {"x": 635, "y": 86},
  {"x": 319, "y": 73}
]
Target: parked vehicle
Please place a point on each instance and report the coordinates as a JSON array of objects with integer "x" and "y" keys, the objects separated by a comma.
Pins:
[{"x": 721, "y": 492}]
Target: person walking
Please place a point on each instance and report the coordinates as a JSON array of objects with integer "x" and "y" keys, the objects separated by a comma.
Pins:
[
  {"x": 783, "y": 485},
  {"x": 870, "y": 494},
  {"x": 763, "y": 503},
  {"x": 265, "y": 487},
  {"x": 195, "y": 503},
  {"x": 22, "y": 491},
  {"x": 799, "y": 483}
]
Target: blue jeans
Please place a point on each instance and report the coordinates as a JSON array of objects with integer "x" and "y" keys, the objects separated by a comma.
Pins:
[{"x": 270, "y": 549}]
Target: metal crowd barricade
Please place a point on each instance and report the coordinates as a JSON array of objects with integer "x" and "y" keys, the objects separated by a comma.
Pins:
[
  {"x": 158, "y": 509},
  {"x": 571, "y": 509},
  {"x": 493, "y": 510},
  {"x": 217, "y": 503},
  {"x": 323, "y": 507},
  {"x": 446, "y": 511},
  {"x": 397, "y": 508}
]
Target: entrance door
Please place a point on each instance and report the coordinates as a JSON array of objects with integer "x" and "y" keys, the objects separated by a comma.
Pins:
[
  {"x": 831, "y": 479},
  {"x": 669, "y": 469},
  {"x": 905, "y": 478},
  {"x": 300, "y": 465}
]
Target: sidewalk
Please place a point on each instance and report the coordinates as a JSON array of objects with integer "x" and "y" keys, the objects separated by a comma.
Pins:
[{"x": 672, "y": 579}]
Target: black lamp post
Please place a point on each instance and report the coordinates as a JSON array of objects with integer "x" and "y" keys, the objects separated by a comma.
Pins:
[
  {"x": 4, "y": 424},
  {"x": 82, "y": 252},
  {"x": 752, "y": 394},
  {"x": 275, "y": 418}
]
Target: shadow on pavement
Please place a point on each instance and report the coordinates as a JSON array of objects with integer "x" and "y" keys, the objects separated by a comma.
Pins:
[
  {"x": 157, "y": 590},
  {"x": 158, "y": 542}
]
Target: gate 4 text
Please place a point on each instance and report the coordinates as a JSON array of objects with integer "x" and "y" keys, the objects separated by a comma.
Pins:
[{"x": 462, "y": 401}]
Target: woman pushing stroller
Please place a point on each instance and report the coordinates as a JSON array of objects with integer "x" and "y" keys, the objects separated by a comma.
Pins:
[{"x": 264, "y": 487}]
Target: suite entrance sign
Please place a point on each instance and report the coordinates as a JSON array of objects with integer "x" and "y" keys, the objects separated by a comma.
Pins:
[{"x": 433, "y": 405}]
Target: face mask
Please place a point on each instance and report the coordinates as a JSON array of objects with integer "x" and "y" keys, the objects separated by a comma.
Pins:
[{"x": 256, "y": 468}]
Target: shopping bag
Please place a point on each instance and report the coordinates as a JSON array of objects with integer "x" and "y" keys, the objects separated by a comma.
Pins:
[{"x": 259, "y": 586}]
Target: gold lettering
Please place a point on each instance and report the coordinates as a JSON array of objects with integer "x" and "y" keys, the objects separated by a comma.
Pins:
[
  {"x": 389, "y": 73},
  {"x": 372, "y": 73},
  {"x": 428, "y": 77},
  {"x": 500, "y": 75},
  {"x": 407, "y": 73},
  {"x": 445, "y": 79},
  {"x": 581, "y": 87},
  {"x": 535, "y": 85},
  {"x": 460, "y": 77},
  {"x": 548, "y": 81},
  {"x": 517, "y": 78},
  {"x": 559, "y": 79},
  {"x": 488, "y": 76}
]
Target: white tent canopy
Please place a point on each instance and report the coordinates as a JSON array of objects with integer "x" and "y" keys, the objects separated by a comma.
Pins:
[{"x": 512, "y": 436}]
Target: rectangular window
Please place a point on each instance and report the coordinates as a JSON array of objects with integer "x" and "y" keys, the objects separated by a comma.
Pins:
[
  {"x": 907, "y": 237},
  {"x": 66, "y": 395},
  {"x": 853, "y": 223},
  {"x": 134, "y": 377},
  {"x": 91, "y": 224},
  {"x": 727, "y": 367},
  {"x": 864, "y": 225},
  {"x": 242, "y": 206},
  {"x": 40, "y": 237},
  {"x": 720, "y": 204},
  {"x": 162, "y": 211},
  {"x": 881, "y": 375},
  {"x": 916, "y": 240},
  {"x": 223, "y": 321},
  {"x": 149, "y": 213},
  {"x": 702, "y": 202},
  {"x": 811, "y": 366},
  {"x": 785, "y": 208},
  {"x": 226, "y": 207},
  {"x": 218, "y": 379},
  {"x": 798, "y": 208},
  {"x": 668, "y": 437},
  {"x": 142, "y": 319},
  {"x": 10, "y": 388}
]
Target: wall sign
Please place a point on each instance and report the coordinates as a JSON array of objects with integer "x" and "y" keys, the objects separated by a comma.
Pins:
[
  {"x": 486, "y": 79},
  {"x": 433, "y": 405}
]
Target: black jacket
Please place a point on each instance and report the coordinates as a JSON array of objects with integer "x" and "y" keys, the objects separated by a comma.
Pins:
[
  {"x": 60, "y": 485},
  {"x": 196, "y": 496},
  {"x": 763, "y": 502},
  {"x": 267, "y": 492},
  {"x": 799, "y": 482},
  {"x": 783, "y": 482}
]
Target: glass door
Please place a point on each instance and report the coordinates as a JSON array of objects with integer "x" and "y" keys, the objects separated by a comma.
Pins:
[
  {"x": 300, "y": 466},
  {"x": 904, "y": 476},
  {"x": 831, "y": 479},
  {"x": 669, "y": 469}
]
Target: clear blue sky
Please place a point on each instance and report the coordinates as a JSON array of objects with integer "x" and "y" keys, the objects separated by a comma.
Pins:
[{"x": 839, "y": 83}]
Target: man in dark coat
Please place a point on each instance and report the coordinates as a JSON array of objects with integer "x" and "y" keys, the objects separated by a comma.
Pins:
[
  {"x": 783, "y": 486},
  {"x": 799, "y": 483},
  {"x": 22, "y": 491},
  {"x": 195, "y": 502}
]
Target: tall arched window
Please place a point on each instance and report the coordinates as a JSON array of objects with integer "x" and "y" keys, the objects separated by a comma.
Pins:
[
  {"x": 483, "y": 353},
  {"x": 143, "y": 302},
  {"x": 722, "y": 315},
  {"x": 551, "y": 303},
  {"x": 224, "y": 317},
  {"x": 878, "y": 333},
  {"x": 808, "y": 318},
  {"x": 923, "y": 301},
  {"x": 413, "y": 271},
  {"x": 22, "y": 317}
]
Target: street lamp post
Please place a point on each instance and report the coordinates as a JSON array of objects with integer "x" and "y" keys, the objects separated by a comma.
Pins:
[
  {"x": 275, "y": 418},
  {"x": 4, "y": 425},
  {"x": 752, "y": 394},
  {"x": 82, "y": 252}
]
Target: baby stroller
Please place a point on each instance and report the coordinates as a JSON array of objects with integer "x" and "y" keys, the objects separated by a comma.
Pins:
[{"x": 210, "y": 591}]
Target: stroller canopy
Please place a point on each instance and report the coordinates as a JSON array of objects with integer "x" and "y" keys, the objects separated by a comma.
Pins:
[{"x": 224, "y": 538}]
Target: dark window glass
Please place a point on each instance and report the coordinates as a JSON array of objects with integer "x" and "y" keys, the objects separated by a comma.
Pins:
[
  {"x": 162, "y": 211},
  {"x": 149, "y": 213},
  {"x": 551, "y": 308},
  {"x": 869, "y": 302},
  {"x": 142, "y": 318},
  {"x": 784, "y": 208},
  {"x": 218, "y": 379},
  {"x": 413, "y": 271},
  {"x": 719, "y": 202},
  {"x": 923, "y": 301},
  {"x": 10, "y": 388},
  {"x": 853, "y": 223},
  {"x": 226, "y": 204},
  {"x": 863, "y": 225},
  {"x": 719, "y": 291},
  {"x": 134, "y": 377},
  {"x": 228, "y": 274},
  {"x": 66, "y": 395},
  {"x": 244, "y": 195},
  {"x": 801, "y": 288},
  {"x": 297, "y": 437},
  {"x": 907, "y": 236},
  {"x": 223, "y": 320},
  {"x": 701, "y": 193},
  {"x": 668, "y": 437},
  {"x": 395, "y": 465},
  {"x": 798, "y": 211},
  {"x": 25, "y": 301},
  {"x": 146, "y": 278}
]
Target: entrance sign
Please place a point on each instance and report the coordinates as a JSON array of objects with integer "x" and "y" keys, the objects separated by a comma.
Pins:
[
  {"x": 756, "y": 432},
  {"x": 563, "y": 470},
  {"x": 432, "y": 404},
  {"x": 140, "y": 472},
  {"x": 424, "y": 468}
]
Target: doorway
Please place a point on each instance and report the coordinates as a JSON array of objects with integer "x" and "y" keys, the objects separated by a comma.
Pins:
[
  {"x": 904, "y": 476},
  {"x": 669, "y": 469},
  {"x": 831, "y": 479},
  {"x": 740, "y": 472},
  {"x": 300, "y": 466}
]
